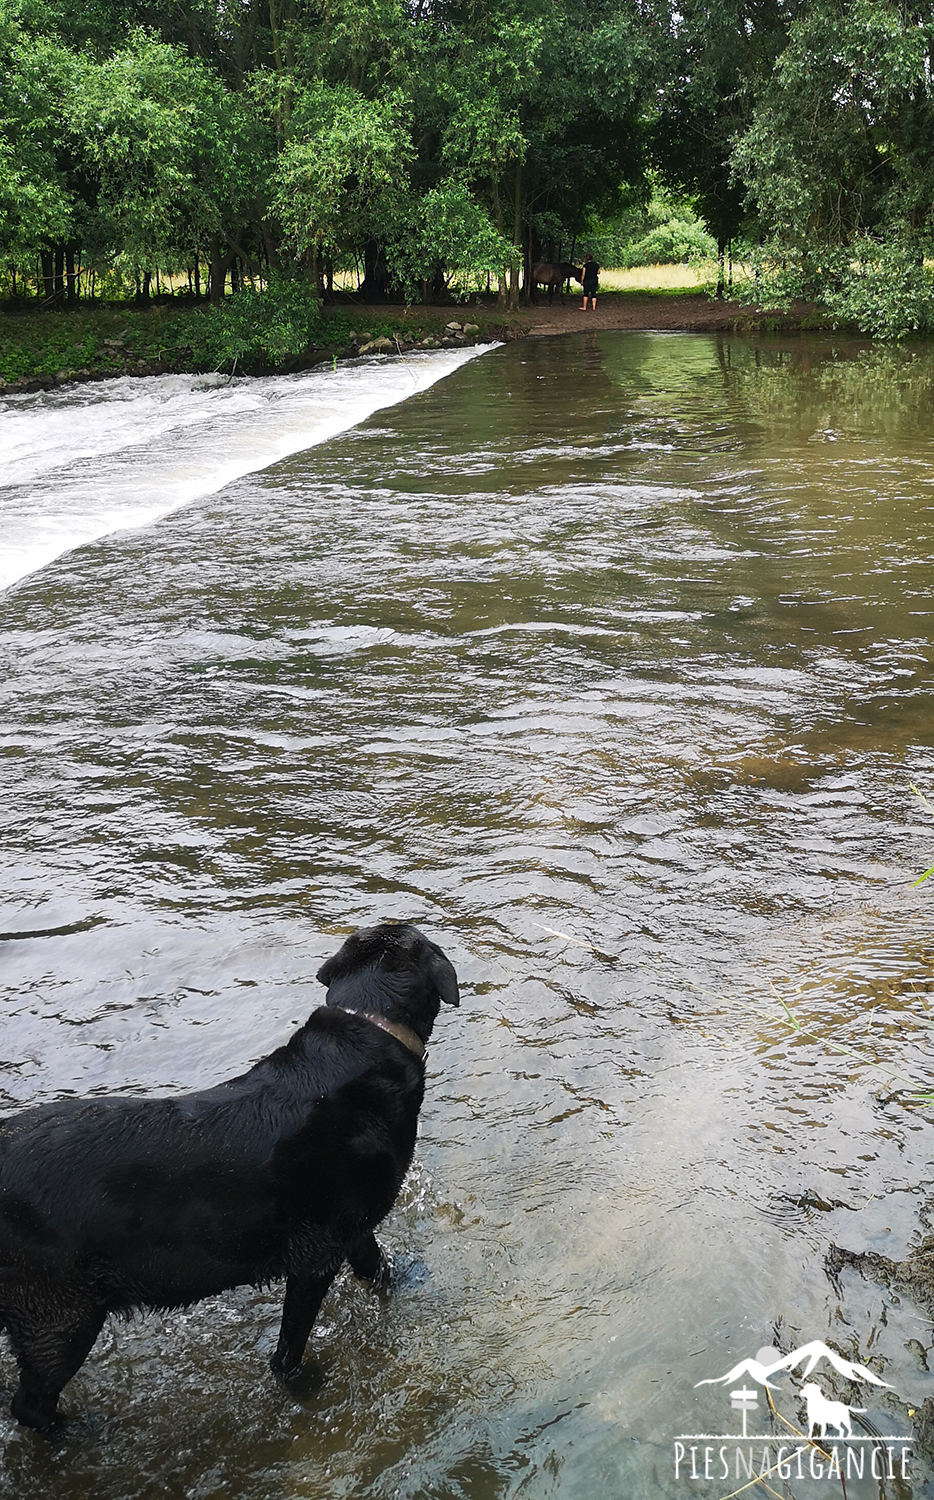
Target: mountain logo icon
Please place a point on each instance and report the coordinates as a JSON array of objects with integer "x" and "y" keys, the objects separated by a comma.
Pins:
[{"x": 770, "y": 1362}]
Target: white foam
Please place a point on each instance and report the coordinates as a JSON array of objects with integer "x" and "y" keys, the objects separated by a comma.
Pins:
[{"x": 79, "y": 463}]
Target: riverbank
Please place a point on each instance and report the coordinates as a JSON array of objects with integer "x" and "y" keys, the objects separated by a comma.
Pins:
[{"x": 47, "y": 349}]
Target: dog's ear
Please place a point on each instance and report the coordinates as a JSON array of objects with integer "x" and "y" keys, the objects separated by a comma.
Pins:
[
  {"x": 326, "y": 972},
  {"x": 443, "y": 977}
]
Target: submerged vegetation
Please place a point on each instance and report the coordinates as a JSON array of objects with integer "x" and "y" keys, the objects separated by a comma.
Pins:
[{"x": 434, "y": 150}]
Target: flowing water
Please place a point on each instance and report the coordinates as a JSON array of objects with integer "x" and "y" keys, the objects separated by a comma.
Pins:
[{"x": 608, "y": 662}]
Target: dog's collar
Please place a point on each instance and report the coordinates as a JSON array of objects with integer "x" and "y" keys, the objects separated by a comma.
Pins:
[{"x": 403, "y": 1034}]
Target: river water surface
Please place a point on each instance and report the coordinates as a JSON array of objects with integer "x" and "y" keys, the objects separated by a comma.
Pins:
[{"x": 606, "y": 660}]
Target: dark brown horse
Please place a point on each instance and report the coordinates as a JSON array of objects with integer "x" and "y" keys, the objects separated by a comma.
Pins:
[{"x": 552, "y": 273}]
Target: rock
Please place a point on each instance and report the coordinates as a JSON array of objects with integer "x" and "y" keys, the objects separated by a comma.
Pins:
[
  {"x": 368, "y": 348},
  {"x": 113, "y": 343},
  {"x": 429, "y": 343},
  {"x": 352, "y": 337},
  {"x": 452, "y": 328},
  {"x": 471, "y": 328},
  {"x": 383, "y": 344}
]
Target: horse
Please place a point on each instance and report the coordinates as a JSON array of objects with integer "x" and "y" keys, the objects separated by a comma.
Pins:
[{"x": 553, "y": 274}]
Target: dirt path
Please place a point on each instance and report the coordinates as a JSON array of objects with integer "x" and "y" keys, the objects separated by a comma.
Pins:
[
  {"x": 690, "y": 312},
  {"x": 628, "y": 311}
]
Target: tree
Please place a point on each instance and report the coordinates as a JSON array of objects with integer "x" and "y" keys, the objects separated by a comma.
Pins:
[
  {"x": 839, "y": 157},
  {"x": 716, "y": 60}
]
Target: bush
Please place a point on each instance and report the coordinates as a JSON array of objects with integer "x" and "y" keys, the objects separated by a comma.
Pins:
[
  {"x": 265, "y": 325},
  {"x": 664, "y": 231},
  {"x": 884, "y": 289},
  {"x": 674, "y": 242}
]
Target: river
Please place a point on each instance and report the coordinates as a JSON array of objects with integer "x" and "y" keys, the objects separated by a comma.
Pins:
[{"x": 607, "y": 661}]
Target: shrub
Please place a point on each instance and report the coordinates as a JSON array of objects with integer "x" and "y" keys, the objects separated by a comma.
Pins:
[
  {"x": 265, "y": 325},
  {"x": 884, "y": 288},
  {"x": 673, "y": 242}
]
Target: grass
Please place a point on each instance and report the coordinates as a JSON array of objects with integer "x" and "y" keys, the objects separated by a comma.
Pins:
[
  {"x": 668, "y": 281},
  {"x": 119, "y": 339}
]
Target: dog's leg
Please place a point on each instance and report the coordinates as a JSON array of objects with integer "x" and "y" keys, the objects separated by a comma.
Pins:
[
  {"x": 304, "y": 1294},
  {"x": 370, "y": 1263},
  {"x": 48, "y": 1354}
]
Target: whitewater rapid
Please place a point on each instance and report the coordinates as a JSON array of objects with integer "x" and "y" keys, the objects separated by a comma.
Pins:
[{"x": 79, "y": 463}]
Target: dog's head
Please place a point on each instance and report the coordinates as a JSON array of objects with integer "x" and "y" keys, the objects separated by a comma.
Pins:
[{"x": 392, "y": 971}]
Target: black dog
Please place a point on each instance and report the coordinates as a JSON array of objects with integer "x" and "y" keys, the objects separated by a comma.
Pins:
[{"x": 107, "y": 1205}]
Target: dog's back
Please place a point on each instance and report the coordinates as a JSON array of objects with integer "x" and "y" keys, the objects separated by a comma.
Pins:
[
  {"x": 170, "y": 1200},
  {"x": 117, "y": 1203}
]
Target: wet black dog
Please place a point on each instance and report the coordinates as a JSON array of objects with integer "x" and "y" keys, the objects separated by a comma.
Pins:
[{"x": 108, "y": 1205}]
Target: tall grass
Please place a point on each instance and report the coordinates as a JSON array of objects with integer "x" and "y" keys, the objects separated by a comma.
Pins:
[{"x": 663, "y": 280}]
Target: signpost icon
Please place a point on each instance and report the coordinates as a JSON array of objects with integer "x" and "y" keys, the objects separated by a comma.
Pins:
[{"x": 744, "y": 1401}]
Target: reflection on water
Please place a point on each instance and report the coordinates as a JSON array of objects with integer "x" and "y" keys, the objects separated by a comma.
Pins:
[{"x": 607, "y": 660}]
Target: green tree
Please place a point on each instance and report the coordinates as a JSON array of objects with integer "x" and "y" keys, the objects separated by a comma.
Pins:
[
  {"x": 716, "y": 60},
  {"x": 839, "y": 158}
]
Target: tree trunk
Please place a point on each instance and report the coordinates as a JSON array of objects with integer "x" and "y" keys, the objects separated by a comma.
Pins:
[
  {"x": 375, "y": 271},
  {"x": 59, "y": 271},
  {"x": 517, "y": 241},
  {"x": 48, "y": 274},
  {"x": 71, "y": 275},
  {"x": 501, "y": 226},
  {"x": 220, "y": 264},
  {"x": 272, "y": 255}
]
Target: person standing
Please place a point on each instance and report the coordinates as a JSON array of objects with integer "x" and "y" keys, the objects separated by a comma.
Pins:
[{"x": 589, "y": 278}]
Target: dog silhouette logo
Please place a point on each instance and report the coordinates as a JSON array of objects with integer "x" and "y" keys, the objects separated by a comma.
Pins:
[{"x": 823, "y": 1413}]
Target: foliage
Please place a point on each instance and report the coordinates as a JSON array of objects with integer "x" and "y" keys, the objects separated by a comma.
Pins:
[
  {"x": 342, "y": 174},
  {"x": 106, "y": 341},
  {"x": 840, "y": 139},
  {"x": 40, "y": 191},
  {"x": 448, "y": 231},
  {"x": 663, "y": 231},
  {"x": 268, "y": 326},
  {"x": 716, "y": 59},
  {"x": 884, "y": 289},
  {"x": 667, "y": 244},
  {"x": 838, "y": 158},
  {"x": 440, "y": 144}
]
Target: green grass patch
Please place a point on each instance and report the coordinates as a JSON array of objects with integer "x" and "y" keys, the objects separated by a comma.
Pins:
[
  {"x": 115, "y": 340},
  {"x": 662, "y": 281}
]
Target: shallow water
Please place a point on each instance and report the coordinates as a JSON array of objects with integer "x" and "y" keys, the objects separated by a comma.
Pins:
[{"x": 607, "y": 661}]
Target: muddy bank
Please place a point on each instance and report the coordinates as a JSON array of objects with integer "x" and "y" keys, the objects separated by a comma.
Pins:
[
  {"x": 41, "y": 351},
  {"x": 627, "y": 311}
]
